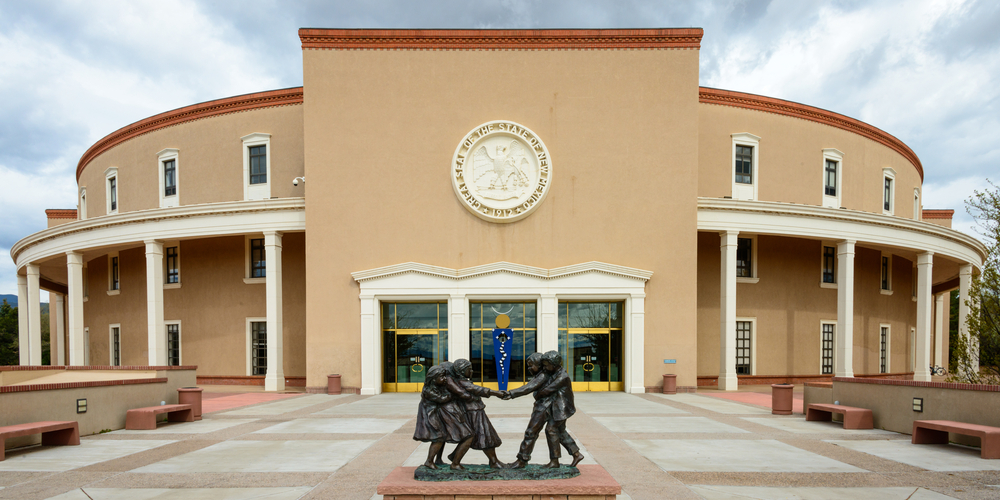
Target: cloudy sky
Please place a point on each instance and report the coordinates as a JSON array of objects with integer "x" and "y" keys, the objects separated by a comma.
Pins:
[{"x": 926, "y": 71}]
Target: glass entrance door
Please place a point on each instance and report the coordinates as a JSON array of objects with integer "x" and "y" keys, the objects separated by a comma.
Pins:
[
  {"x": 414, "y": 338},
  {"x": 590, "y": 339}
]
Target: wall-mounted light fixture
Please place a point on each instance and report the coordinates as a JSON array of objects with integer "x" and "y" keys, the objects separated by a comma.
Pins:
[
  {"x": 918, "y": 404},
  {"x": 81, "y": 406}
]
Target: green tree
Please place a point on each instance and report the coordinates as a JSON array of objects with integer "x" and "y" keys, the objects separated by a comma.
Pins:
[
  {"x": 982, "y": 345},
  {"x": 8, "y": 334}
]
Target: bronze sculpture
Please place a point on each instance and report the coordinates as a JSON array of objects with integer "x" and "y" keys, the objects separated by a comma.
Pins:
[{"x": 441, "y": 420}]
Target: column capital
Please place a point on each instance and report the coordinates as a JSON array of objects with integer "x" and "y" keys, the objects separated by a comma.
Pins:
[
  {"x": 925, "y": 258},
  {"x": 965, "y": 269},
  {"x": 31, "y": 269},
  {"x": 272, "y": 238}
]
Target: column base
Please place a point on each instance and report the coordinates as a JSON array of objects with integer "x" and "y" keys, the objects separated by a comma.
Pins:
[
  {"x": 728, "y": 382},
  {"x": 274, "y": 384}
]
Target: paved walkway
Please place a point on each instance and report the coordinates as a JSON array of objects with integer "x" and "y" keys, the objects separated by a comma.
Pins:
[{"x": 690, "y": 446}]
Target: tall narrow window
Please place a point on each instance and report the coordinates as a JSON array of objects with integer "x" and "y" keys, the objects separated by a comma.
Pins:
[
  {"x": 744, "y": 258},
  {"x": 744, "y": 164},
  {"x": 169, "y": 178},
  {"x": 113, "y": 193},
  {"x": 829, "y": 265},
  {"x": 744, "y": 331},
  {"x": 826, "y": 347},
  {"x": 116, "y": 346},
  {"x": 831, "y": 178},
  {"x": 885, "y": 280},
  {"x": 887, "y": 195},
  {"x": 258, "y": 263},
  {"x": 883, "y": 365},
  {"x": 173, "y": 267},
  {"x": 115, "y": 282},
  {"x": 258, "y": 164},
  {"x": 173, "y": 345},
  {"x": 258, "y": 348}
]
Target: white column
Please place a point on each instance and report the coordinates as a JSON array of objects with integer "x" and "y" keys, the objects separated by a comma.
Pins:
[
  {"x": 34, "y": 316},
  {"x": 371, "y": 348},
  {"x": 60, "y": 333},
  {"x": 964, "y": 285},
  {"x": 925, "y": 267},
  {"x": 23, "y": 345},
  {"x": 274, "y": 380},
  {"x": 155, "y": 329},
  {"x": 74, "y": 272},
  {"x": 458, "y": 327},
  {"x": 940, "y": 327},
  {"x": 635, "y": 343},
  {"x": 845, "y": 310},
  {"x": 548, "y": 333},
  {"x": 727, "y": 316}
]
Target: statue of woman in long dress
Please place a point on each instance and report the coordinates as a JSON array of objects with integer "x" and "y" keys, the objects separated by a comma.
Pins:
[
  {"x": 484, "y": 436},
  {"x": 441, "y": 419}
]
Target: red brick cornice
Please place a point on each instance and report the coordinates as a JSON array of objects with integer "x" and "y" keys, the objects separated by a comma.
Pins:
[
  {"x": 788, "y": 108},
  {"x": 60, "y": 213},
  {"x": 938, "y": 214},
  {"x": 552, "y": 39},
  {"x": 283, "y": 97}
]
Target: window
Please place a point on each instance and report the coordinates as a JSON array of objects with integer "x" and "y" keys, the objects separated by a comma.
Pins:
[
  {"x": 827, "y": 333},
  {"x": 913, "y": 350},
  {"x": 830, "y": 183},
  {"x": 111, "y": 188},
  {"x": 256, "y": 163},
  {"x": 744, "y": 258},
  {"x": 86, "y": 346},
  {"x": 745, "y": 166},
  {"x": 829, "y": 264},
  {"x": 173, "y": 274},
  {"x": 114, "y": 274},
  {"x": 258, "y": 267},
  {"x": 116, "y": 345},
  {"x": 169, "y": 181},
  {"x": 913, "y": 282},
  {"x": 258, "y": 347},
  {"x": 82, "y": 215},
  {"x": 744, "y": 350},
  {"x": 833, "y": 178},
  {"x": 885, "y": 274},
  {"x": 169, "y": 167},
  {"x": 883, "y": 342},
  {"x": 173, "y": 344},
  {"x": 916, "y": 204},
  {"x": 888, "y": 191}
]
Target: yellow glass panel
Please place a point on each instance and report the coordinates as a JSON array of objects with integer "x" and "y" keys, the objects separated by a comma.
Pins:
[
  {"x": 617, "y": 386},
  {"x": 598, "y": 386},
  {"x": 388, "y": 387},
  {"x": 409, "y": 387},
  {"x": 581, "y": 386}
]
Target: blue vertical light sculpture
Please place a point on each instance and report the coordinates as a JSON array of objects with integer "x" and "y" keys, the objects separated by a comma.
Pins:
[{"x": 502, "y": 345}]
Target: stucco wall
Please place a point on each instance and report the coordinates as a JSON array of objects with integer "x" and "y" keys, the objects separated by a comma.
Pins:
[
  {"x": 381, "y": 128},
  {"x": 789, "y": 304},
  {"x": 791, "y": 164},
  {"x": 210, "y": 162}
]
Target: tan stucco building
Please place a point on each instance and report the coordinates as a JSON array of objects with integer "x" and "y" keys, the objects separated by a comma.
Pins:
[{"x": 579, "y": 181}]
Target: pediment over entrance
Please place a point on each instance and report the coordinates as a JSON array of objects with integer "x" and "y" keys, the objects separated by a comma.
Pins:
[{"x": 506, "y": 268}]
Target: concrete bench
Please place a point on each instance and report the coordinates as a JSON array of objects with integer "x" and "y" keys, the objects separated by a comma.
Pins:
[
  {"x": 53, "y": 433},
  {"x": 145, "y": 418},
  {"x": 854, "y": 418},
  {"x": 936, "y": 432}
]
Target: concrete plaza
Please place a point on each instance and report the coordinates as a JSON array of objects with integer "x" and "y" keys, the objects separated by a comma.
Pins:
[{"x": 708, "y": 445}]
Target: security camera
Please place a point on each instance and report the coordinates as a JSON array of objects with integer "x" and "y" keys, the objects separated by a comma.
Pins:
[{"x": 295, "y": 181}]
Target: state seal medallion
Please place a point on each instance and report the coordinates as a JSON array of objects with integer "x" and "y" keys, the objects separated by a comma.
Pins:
[{"x": 501, "y": 171}]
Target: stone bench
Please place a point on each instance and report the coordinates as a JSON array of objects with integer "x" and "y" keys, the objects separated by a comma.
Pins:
[
  {"x": 145, "y": 418},
  {"x": 936, "y": 432},
  {"x": 854, "y": 418},
  {"x": 53, "y": 433}
]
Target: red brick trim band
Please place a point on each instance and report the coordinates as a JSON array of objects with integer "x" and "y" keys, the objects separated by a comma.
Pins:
[
  {"x": 17, "y": 368},
  {"x": 246, "y": 380},
  {"x": 282, "y": 97},
  {"x": 914, "y": 383},
  {"x": 60, "y": 213},
  {"x": 709, "y": 95},
  {"x": 938, "y": 214},
  {"x": 658, "y": 389},
  {"x": 713, "y": 380},
  {"x": 76, "y": 385},
  {"x": 554, "y": 39},
  {"x": 322, "y": 389}
]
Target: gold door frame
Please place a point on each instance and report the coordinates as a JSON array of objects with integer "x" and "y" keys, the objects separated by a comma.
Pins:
[
  {"x": 592, "y": 386},
  {"x": 407, "y": 386}
]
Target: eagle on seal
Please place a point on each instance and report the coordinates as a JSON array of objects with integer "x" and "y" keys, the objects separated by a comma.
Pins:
[{"x": 504, "y": 170}]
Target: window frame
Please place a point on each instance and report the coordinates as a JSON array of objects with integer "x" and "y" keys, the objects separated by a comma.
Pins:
[
  {"x": 917, "y": 211},
  {"x": 249, "y": 345},
  {"x": 260, "y": 191},
  {"x": 180, "y": 349},
  {"x": 754, "y": 257},
  {"x": 889, "y": 175},
  {"x": 885, "y": 347},
  {"x": 247, "y": 261},
  {"x": 833, "y": 347},
  {"x": 111, "y": 344},
  {"x": 834, "y": 201},
  {"x": 167, "y": 284},
  {"x": 86, "y": 346},
  {"x": 82, "y": 206},
  {"x": 822, "y": 264},
  {"x": 114, "y": 274},
  {"x": 885, "y": 274},
  {"x": 163, "y": 157},
  {"x": 742, "y": 191},
  {"x": 112, "y": 191},
  {"x": 913, "y": 350},
  {"x": 753, "y": 344}
]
